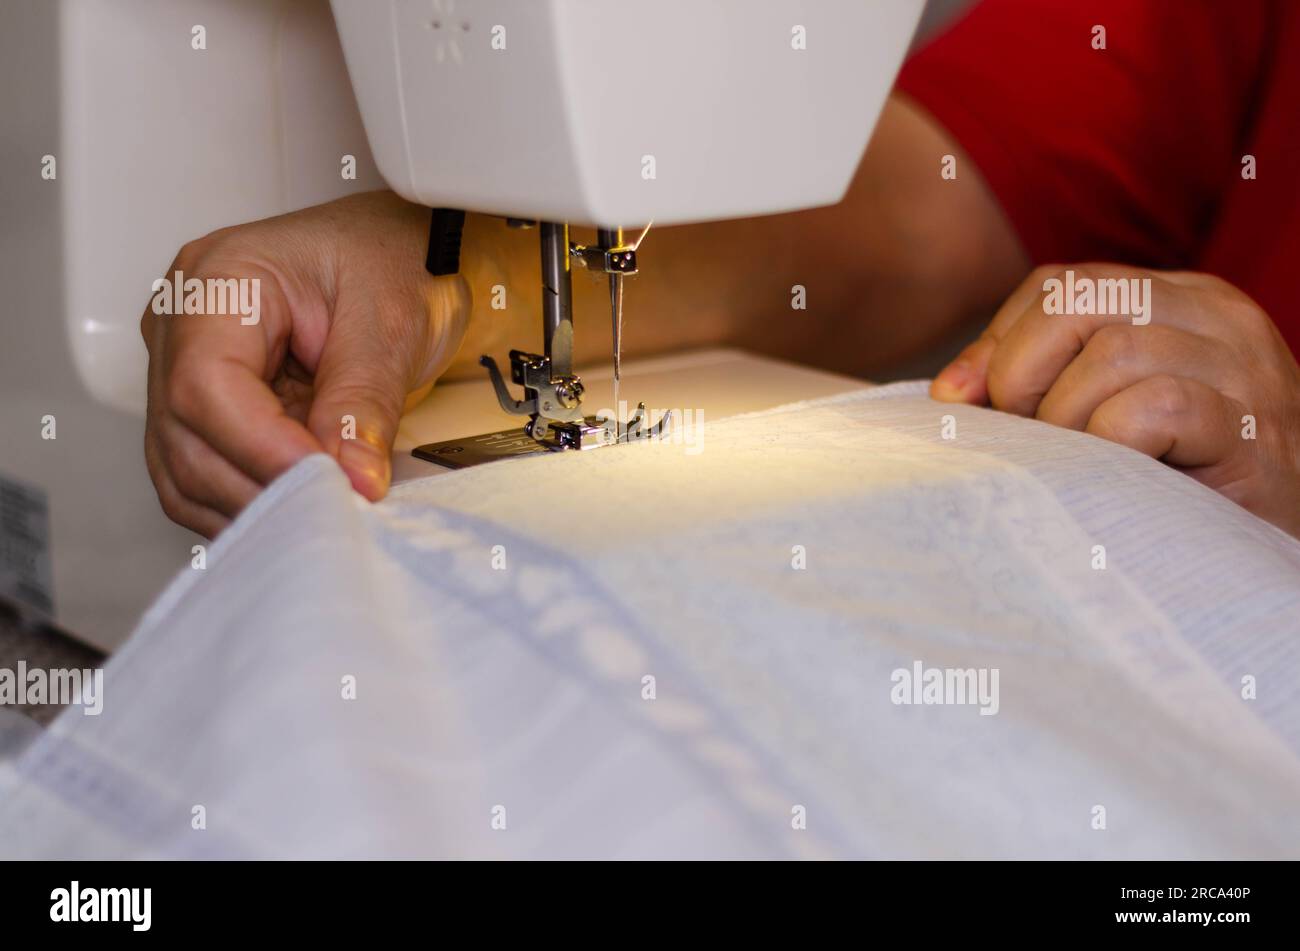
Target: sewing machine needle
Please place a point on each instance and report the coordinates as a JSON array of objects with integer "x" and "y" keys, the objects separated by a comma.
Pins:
[{"x": 616, "y": 312}]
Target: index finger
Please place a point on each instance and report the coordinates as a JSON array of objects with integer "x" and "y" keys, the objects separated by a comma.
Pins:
[{"x": 215, "y": 378}]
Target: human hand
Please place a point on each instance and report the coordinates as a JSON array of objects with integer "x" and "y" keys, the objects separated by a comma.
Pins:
[
  {"x": 349, "y": 324},
  {"x": 1193, "y": 372}
]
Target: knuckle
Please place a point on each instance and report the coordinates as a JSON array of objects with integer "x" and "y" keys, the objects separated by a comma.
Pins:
[
  {"x": 192, "y": 252},
  {"x": 1166, "y": 396},
  {"x": 184, "y": 475},
  {"x": 169, "y": 499},
  {"x": 1249, "y": 315},
  {"x": 1234, "y": 307},
  {"x": 153, "y": 456},
  {"x": 1009, "y": 385},
  {"x": 1039, "y": 276},
  {"x": 1121, "y": 426},
  {"x": 189, "y": 252},
  {"x": 1044, "y": 271},
  {"x": 1212, "y": 283},
  {"x": 1114, "y": 346},
  {"x": 184, "y": 390}
]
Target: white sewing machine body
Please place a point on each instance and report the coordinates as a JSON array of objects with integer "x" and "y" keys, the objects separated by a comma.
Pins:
[
  {"x": 598, "y": 113},
  {"x": 134, "y": 126}
]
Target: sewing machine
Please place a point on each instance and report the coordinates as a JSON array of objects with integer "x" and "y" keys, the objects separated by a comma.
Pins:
[
  {"x": 134, "y": 126},
  {"x": 552, "y": 112}
]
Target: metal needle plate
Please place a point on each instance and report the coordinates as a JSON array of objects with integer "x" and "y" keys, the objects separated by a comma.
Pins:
[{"x": 476, "y": 450}]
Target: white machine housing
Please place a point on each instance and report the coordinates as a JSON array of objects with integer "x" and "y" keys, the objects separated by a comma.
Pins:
[{"x": 619, "y": 113}]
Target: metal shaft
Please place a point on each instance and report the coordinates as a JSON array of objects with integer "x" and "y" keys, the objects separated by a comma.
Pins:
[
  {"x": 613, "y": 238},
  {"x": 557, "y": 297}
]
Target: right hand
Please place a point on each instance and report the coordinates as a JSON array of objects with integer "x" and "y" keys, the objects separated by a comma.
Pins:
[{"x": 350, "y": 324}]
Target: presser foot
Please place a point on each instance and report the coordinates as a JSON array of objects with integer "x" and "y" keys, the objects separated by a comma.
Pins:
[
  {"x": 635, "y": 428},
  {"x": 547, "y": 398},
  {"x": 592, "y": 432}
]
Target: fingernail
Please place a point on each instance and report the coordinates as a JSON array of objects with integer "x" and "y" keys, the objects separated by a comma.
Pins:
[
  {"x": 953, "y": 382},
  {"x": 368, "y": 467}
]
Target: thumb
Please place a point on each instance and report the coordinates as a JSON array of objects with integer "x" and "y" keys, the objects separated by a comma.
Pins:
[
  {"x": 965, "y": 379},
  {"x": 358, "y": 402},
  {"x": 365, "y": 374}
]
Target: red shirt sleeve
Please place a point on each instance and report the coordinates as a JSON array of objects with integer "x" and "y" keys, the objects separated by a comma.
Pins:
[{"x": 1116, "y": 154}]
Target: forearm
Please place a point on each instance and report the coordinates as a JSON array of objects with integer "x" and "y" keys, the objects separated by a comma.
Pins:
[{"x": 898, "y": 264}]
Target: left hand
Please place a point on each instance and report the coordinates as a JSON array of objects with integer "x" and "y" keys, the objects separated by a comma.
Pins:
[{"x": 1175, "y": 382}]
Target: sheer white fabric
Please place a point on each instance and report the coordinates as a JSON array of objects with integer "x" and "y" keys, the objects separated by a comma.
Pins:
[{"x": 499, "y": 626}]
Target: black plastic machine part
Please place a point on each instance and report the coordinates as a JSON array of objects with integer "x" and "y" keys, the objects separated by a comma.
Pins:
[{"x": 445, "y": 228}]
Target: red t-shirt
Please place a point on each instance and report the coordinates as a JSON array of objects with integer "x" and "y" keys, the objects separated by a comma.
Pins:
[{"x": 1134, "y": 153}]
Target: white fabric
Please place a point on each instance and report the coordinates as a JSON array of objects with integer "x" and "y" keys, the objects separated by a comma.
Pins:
[{"x": 521, "y": 687}]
